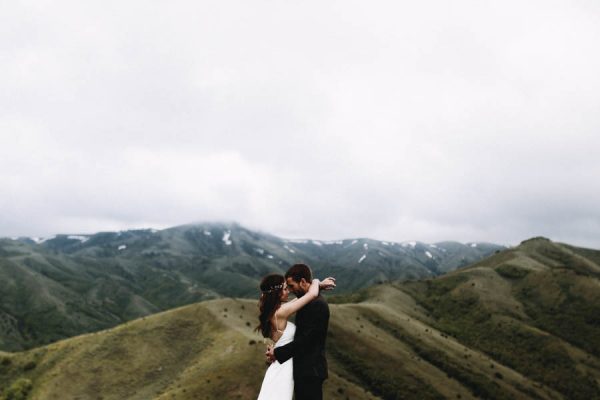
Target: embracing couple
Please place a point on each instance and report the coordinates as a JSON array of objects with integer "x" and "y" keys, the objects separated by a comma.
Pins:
[{"x": 298, "y": 364}]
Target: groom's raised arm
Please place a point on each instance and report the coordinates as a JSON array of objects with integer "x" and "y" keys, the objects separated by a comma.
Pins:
[{"x": 313, "y": 328}]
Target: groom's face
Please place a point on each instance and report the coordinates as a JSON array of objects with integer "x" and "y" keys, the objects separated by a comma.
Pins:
[{"x": 296, "y": 287}]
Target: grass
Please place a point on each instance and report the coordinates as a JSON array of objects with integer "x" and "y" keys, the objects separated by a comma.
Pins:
[
  {"x": 462, "y": 313},
  {"x": 573, "y": 316},
  {"x": 478, "y": 384},
  {"x": 349, "y": 298},
  {"x": 376, "y": 370}
]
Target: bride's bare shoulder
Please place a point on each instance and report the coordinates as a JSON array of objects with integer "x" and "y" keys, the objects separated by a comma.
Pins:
[{"x": 286, "y": 309}]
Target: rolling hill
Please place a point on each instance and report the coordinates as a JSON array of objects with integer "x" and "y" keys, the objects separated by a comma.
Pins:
[
  {"x": 521, "y": 324},
  {"x": 66, "y": 285}
]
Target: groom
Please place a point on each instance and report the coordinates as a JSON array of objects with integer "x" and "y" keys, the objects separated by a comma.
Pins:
[{"x": 308, "y": 347}]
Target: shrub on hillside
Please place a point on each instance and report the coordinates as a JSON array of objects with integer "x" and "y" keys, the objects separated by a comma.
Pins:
[
  {"x": 29, "y": 366},
  {"x": 18, "y": 390},
  {"x": 511, "y": 271}
]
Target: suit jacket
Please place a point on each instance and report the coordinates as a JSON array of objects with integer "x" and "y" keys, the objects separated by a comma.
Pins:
[{"x": 308, "y": 347}]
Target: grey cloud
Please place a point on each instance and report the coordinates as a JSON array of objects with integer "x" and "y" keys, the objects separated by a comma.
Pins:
[{"x": 429, "y": 121}]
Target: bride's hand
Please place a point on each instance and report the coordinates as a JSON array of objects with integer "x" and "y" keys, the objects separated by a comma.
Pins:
[
  {"x": 270, "y": 354},
  {"x": 327, "y": 283}
]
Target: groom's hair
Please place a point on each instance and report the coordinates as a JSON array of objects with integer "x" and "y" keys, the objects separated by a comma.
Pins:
[{"x": 299, "y": 271}]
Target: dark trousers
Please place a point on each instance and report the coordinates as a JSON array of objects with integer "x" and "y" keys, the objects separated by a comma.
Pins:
[{"x": 308, "y": 389}]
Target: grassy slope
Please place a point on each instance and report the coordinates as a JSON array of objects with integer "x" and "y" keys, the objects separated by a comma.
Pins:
[
  {"x": 377, "y": 349},
  {"x": 534, "y": 308},
  {"x": 518, "y": 325},
  {"x": 202, "y": 351}
]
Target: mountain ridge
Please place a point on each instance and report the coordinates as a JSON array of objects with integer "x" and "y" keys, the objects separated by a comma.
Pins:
[{"x": 72, "y": 284}]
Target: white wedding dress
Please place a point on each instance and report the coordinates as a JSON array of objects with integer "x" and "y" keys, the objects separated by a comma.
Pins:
[{"x": 279, "y": 378}]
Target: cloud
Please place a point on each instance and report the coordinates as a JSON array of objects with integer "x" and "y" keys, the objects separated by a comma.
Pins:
[{"x": 429, "y": 121}]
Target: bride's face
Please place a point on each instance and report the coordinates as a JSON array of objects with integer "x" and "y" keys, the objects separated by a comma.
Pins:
[{"x": 284, "y": 292}]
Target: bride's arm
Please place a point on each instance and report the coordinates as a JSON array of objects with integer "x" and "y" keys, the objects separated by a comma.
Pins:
[{"x": 291, "y": 307}]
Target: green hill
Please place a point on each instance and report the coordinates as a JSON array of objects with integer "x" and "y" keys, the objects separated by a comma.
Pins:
[
  {"x": 72, "y": 284},
  {"x": 522, "y": 324},
  {"x": 535, "y": 308},
  {"x": 203, "y": 351}
]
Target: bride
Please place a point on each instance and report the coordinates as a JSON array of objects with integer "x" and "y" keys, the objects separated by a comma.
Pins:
[{"x": 275, "y": 310}]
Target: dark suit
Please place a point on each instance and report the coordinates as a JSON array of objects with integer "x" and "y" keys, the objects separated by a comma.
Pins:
[{"x": 308, "y": 350}]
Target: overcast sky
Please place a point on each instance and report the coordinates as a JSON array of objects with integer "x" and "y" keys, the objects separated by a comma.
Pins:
[{"x": 422, "y": 120}]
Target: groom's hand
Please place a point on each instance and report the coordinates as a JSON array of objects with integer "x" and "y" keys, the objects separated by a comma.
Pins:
[
  {"x": 327, "y": 283},
  {"x": 270, "y": 354}
]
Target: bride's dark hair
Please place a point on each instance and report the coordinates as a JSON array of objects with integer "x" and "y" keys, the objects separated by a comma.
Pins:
[{"x": 270, "y": 300}]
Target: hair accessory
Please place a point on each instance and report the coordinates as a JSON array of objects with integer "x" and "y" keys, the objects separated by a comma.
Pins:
[{"x": 273, "y": 289}]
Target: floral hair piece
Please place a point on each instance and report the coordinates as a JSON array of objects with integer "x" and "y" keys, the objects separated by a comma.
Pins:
[{"x": 273, "y": 288}]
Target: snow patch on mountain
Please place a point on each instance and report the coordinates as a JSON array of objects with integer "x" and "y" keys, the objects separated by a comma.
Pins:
[
  {"x": 226, "y": 238},
  {"x": 285, "y": 246},
  {"x": 82, "y": 239},
  {"x": 298, "y": 241},
  {"x": 428, "y": 254},
  {"x": 121, "y": 247},
  {"x": 362, "y": 258},
  {"x": 40, "y": 240}
]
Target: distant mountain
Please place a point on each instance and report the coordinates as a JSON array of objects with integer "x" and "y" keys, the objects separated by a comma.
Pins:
[
  {"x": 62, "y": 286},
  {"x": 521, "y": 324}
]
